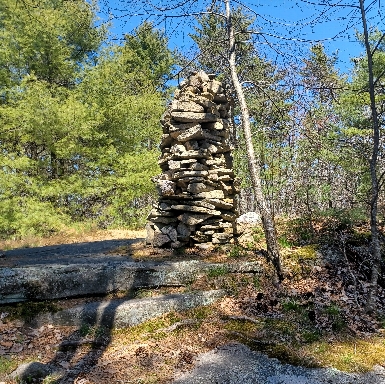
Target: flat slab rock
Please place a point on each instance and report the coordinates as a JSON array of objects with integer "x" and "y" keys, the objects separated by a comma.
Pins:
[
  {"x": 236, "y": 363},
  {"x": 124, "y": 313},
  {"x": 54, "y": 281}
]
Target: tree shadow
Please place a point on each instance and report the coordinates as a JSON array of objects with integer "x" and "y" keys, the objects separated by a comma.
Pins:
[
  {"x": 95, "y": 322},
  {"x": 64, "y": 254},
  {"x": 79, "y": 352}
]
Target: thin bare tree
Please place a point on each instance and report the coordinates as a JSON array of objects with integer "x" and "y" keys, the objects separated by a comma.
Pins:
[
  {"x": 254, "y": 168},
  {"x": 375, "y": 244}
]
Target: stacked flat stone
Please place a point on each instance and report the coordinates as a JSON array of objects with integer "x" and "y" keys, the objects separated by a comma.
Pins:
[{"x": 196, "y": 187}]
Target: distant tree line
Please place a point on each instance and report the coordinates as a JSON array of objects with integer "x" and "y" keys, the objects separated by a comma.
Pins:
[{"x": 78, "y": 117}]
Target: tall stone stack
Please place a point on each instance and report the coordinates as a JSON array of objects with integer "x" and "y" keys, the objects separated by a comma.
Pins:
[{"x": 196, "y": 187}]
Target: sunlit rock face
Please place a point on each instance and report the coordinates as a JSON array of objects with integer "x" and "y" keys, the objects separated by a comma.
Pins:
[{"x": 196, "y": 188}]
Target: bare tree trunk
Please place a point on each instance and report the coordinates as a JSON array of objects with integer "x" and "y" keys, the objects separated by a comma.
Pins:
[
  {"x": 254, "y": 168},
  {"x": 376, "y": 248}
]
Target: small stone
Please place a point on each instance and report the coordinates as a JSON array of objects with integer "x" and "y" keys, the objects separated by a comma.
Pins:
[
  {"x": 225, "y": 178},
  {"x": 199, "y": 167},
  {"x": 207, "y": 96},
  {"x": 156, "y": 213},
  {"x": 203, "y": 203},
  {"x": 150, "y": 233},
  {"x": 165, "y": 117},
  {"x": 192, "y": 219},
  {"x": 192, "y": 208},
  {"x": 166, "y": 187},
  {"x": 65, "y": 364},
  {"x": 29, "y": 371},
  {"x": 227, "y": 189},
  {"x": 178, "y": 149},
  {"x": 172, "y": 164},
  {"x": 203, "y": 77},
  {"x": 177, "y": 128},
  {"x": 203, "y": 101},
  {"x": 204, "y": 246},
  {"x": 192, "y": 145},
  {"x": 225, "y": 225},
  {"x": 216, "y": 194},
  {"x": 201, "y": 237},
  {"x": 214, "y": 87},
  {"x": 186, "y": 106},
  {"x": 190, "y": 117},
  {"x": 183, "y": 230},
  {"x": 164, "y": 220},
  {"x": 171, "y": 232},
  {"x": 222, "y": 203},
  {"x": 16, "y": 348},
  {"x": 209, "y": 147},
  {"x": 221, "y": 98},
  {"x": 187, "y": 162},
  {"x": 229, "y": 230},
  {"x": 177, "y": 244},
  {"x": 218, "y": 125},
  {"x": 166, "y": 141},
  {"x": 195, "y": 154},
  {"x": 222, "y": 172},
  {"x": 228, "y": 216},
  {"x": 216, "y": 161},
  {"x": 164, "y": 159},
  {"x": 209, "y": 227},
  {"x": 220, "y": 238},
  {"x": 164, "y": 206},
  {"x": 191, "y": 134},
  {"x": 188, "y": 173},
  {"x": 187, "y": 180},
  {"x": 160, "y": 239},
  {"x": 198, "y": 188}
]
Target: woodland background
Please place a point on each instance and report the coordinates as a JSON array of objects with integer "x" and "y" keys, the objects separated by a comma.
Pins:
[{"x": 80, "y": 117}]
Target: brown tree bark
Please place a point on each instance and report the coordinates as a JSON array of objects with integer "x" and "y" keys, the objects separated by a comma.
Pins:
[
  {"x": 254, "y": 168},
  {"x": 375, "y": 245}
]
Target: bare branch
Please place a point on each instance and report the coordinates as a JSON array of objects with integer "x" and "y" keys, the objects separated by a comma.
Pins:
[
  {"x": 291, "y": 38},
  {"x": 328, "y": 4},
  {"x": 378, "y": 44}
]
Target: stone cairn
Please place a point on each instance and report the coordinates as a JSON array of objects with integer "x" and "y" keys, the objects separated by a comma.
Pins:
[{"x": 196, "y": 187}]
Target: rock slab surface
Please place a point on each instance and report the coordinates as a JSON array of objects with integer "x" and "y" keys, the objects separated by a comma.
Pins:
[
  {"x": 125, "y": 313},
  {"x": 57, "y": 281},
  {"x": 236, "y": 363}
]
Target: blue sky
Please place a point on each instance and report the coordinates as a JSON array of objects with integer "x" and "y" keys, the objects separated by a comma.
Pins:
[{"x": 288, "y": 27}]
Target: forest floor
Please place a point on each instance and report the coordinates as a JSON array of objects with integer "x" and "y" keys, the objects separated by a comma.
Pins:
[{"x": 315, "y": 318}]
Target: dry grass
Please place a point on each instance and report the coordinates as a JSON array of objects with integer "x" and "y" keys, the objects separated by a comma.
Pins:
[
  {"x": 352, "y": 355},
  {"x": 71, "y": 236}
]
